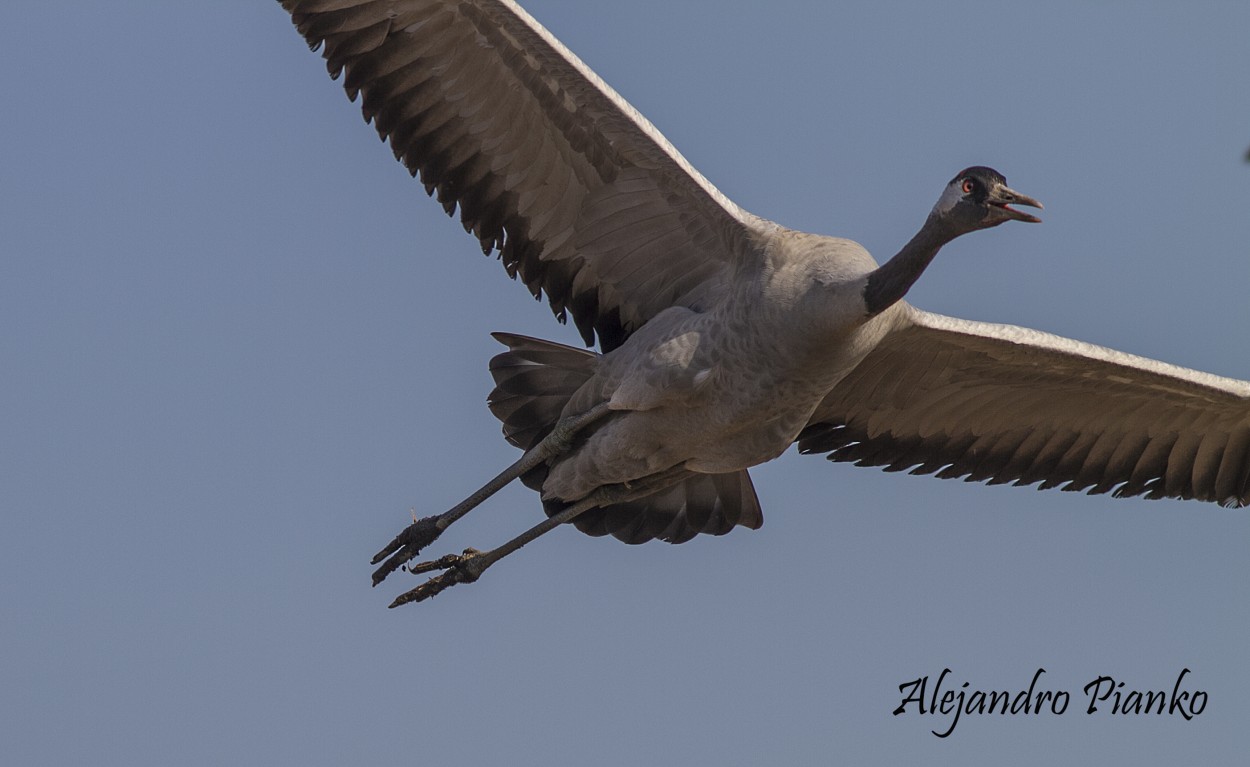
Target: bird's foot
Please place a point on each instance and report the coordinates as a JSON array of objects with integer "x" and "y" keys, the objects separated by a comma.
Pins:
[
  {"x": 457, "y": 568},
  {"x": 406, "y": 546}
]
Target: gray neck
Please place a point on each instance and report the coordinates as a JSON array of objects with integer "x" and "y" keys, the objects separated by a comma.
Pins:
[{"x": 892, "y": 280}]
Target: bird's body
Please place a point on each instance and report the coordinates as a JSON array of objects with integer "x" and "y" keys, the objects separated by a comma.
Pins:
[
  {"x": 725, "y": 338},
  {"x": 732, "y": 385}
]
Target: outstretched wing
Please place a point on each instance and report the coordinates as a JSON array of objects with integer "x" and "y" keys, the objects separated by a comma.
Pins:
[
  {"x": 581, "y": 196},
  {"x": 999, "y": 403}
]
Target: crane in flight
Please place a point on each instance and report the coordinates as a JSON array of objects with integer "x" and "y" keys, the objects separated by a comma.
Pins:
[{"x": 724, "y": 337}]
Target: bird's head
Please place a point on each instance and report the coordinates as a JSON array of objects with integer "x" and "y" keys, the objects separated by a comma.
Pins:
[{"x": 978, "y": 198}]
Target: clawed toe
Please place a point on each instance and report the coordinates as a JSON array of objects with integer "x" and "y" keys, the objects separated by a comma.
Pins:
[
  {"x": 467, "y": 567},
  {"x": 405, "y": 546},
  {"x": 443, "y": 563},
  {"x": 457, "y": 568}
]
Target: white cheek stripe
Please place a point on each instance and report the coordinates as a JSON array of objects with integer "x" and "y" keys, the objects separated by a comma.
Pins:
[{"x": 949, "y": 199}]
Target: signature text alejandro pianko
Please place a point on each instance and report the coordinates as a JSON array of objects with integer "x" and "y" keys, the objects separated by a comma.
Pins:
[{"x": 1103, "y": 695}]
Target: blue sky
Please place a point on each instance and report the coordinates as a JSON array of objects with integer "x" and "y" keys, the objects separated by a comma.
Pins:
[{"x": 237, "y": 344}]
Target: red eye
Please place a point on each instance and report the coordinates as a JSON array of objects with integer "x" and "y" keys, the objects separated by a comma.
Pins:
[{"x": 969, "y": 185}]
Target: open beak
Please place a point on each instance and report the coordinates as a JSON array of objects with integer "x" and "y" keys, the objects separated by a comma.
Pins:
[{"x": 1003, "y": 198}]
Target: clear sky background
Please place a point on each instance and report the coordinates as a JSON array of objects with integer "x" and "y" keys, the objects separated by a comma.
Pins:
[{"x": 237, "y": 344}]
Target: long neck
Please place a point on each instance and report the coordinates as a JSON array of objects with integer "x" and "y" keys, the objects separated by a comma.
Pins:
[{"x": 891, "y": 281}]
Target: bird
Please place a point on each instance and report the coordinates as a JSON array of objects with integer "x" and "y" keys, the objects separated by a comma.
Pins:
[{"x": 724, "y": 338}]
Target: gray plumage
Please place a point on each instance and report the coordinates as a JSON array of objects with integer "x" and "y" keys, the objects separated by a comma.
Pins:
[
  {"x": 726, "y": 337},
  {"x": 534, "y": 381}
]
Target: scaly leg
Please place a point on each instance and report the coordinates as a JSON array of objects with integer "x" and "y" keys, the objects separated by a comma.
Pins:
[
  {"x": 469, "y": 566},
  {"x": 422, "y": 532}
]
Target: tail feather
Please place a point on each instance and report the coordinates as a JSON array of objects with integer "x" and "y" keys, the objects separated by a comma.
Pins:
[
  {"x": 534, "y": 379},
  {"x": 712, "y": 504}
]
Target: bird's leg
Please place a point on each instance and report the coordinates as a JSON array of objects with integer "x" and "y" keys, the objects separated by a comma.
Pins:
[
  {"x": 422, "y": 532},
  {"x": 469, "y": 566}
]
